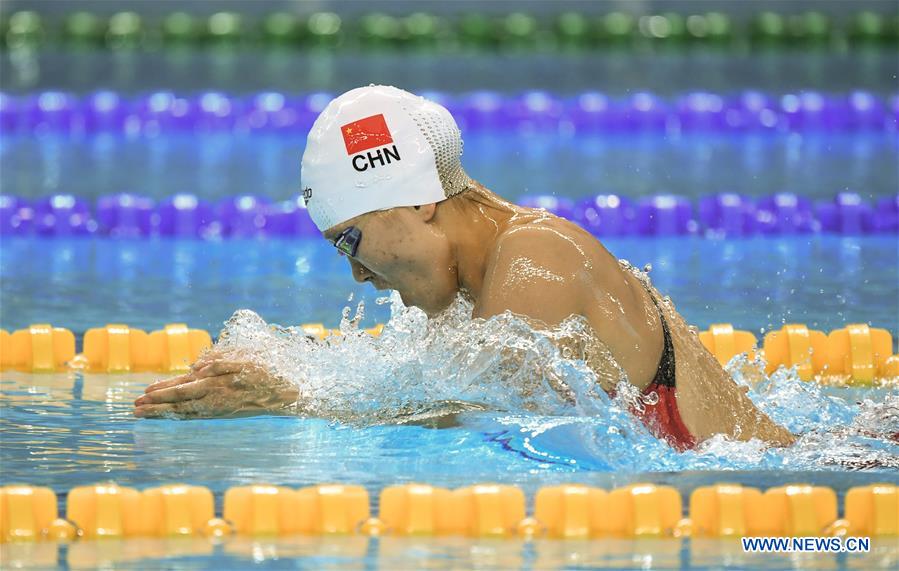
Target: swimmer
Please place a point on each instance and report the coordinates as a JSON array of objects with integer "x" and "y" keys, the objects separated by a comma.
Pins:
[{"x": 384, "y": 183}]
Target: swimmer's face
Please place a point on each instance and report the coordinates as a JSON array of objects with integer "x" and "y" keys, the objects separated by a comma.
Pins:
[{"x": 403, "y": 249}]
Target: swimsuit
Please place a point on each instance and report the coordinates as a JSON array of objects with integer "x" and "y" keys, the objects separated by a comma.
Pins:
[{"x": 662, "y": 418}]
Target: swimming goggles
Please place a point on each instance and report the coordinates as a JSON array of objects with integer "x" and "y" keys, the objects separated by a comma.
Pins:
[{"x": 348, "y": 241}]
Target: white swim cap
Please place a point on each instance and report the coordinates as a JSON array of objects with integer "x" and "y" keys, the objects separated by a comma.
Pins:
[{"x": 380, "y": 147}]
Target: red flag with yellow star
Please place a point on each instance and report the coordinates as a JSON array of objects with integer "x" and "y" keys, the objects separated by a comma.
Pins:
[{"x": 365, "y": 134}]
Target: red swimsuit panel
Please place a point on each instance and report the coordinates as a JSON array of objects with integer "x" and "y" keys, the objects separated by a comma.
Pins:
[{"x": 663, "y": 417}]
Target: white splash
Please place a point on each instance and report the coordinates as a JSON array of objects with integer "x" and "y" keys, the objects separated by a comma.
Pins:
[{"x": 545, "y": 400}]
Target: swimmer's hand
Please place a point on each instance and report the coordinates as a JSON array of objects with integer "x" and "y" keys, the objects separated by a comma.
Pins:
[{"x": 218, "y": 386}]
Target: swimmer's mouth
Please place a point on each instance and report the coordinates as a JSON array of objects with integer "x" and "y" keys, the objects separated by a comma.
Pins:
[{"x": 379, "y": 285}]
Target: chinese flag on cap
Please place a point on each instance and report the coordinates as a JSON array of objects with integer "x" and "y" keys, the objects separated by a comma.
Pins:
[{"x": 365, "y": 134}]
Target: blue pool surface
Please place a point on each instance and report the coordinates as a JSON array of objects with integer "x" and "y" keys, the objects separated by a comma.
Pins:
[
  {"x": 64, "y": 430},
  {"x": 575, "y": 165},
  {"x": 69, "y": 429},
  {"x": 755, "y": 283}
]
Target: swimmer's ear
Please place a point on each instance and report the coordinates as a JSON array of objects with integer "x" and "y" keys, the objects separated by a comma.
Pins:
[{"x": 426, "y": 211}]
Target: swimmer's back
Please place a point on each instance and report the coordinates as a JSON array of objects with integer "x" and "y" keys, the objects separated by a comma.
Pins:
[
  {"x": 590, "y": 282},
  {"x": 625, "y": 319}
]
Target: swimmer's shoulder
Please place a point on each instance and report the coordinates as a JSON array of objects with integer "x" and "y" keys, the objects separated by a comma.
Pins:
[
  {"x": 543, "y": 239},
  {"x": 537, "y": 230},
  {"x": 560, "y": 241},
  {"x": 534, "y": 269}
]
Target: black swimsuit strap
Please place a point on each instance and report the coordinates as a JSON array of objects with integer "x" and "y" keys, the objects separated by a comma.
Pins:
[{"x": 665, "y": 374}]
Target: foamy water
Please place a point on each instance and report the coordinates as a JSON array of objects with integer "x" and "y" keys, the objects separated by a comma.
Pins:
[{"x": 548, "y": 399}]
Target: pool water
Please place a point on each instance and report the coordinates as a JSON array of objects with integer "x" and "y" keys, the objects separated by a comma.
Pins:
[
  {"x": 65, "y": 430},
  {"x": 575, "y": 165},
  {"x": 613, "y": 69},
  {"x": 69, "y": 429},
  {"x": 426, "y": 553},
  {"x": 757, "y": 284}
]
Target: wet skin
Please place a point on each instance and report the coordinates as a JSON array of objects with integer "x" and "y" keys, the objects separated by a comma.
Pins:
[{"x": 503, "y": 258}]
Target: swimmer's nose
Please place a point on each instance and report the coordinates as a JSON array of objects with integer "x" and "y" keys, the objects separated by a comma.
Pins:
[{"x": 360, "y": 273}]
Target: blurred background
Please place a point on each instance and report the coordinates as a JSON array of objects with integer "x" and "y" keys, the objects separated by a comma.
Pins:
[
  {"x": 745, "y": 149},
  {"x": 617, "y": 47}
]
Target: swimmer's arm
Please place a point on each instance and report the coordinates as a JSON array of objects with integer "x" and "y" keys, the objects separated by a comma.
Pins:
[
  {"x": 558, "y": 281},
  {"x": 565, "y": 274},
  {"x": 536, "y": 278}
]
